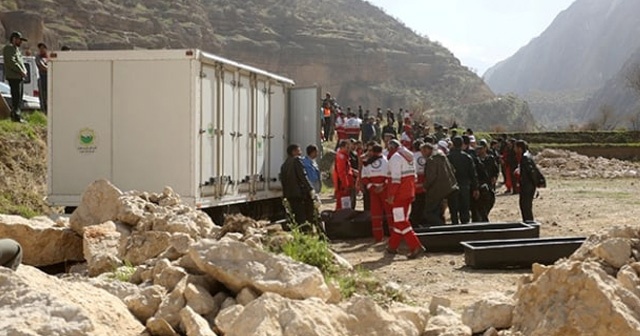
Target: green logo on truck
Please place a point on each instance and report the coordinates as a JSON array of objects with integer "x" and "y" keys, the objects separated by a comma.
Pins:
[{"x": 86, "y": 141}]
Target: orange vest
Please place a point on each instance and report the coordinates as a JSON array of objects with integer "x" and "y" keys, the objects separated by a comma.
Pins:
[{"x": 327, "y": 112}]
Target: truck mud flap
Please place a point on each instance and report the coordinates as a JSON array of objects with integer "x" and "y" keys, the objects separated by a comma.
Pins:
[
  {"x": 448, "y": 238},
  {"x": 518, "y": 253}
]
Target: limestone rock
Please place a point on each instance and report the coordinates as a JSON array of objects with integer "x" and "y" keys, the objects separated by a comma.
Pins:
[
  {"x": 373, "y": 320},
  {"x": 181, "y": 242},
  {"x": 145, "y": 304},
  {"x": 446, "y": 323},
  {"x": 199, "y": 299},
  {"x": 172, "y": 304},
  {"x": 43, "y": 241},
  {"x": 194, "y": 324},
  {"x": 237, "y": 266},
  {"x": 131, "y": 210},
  {"x": 169, "y": 277},
  {"x": 114, "y": 287},
  {"x": 494, "y": 310},
  {"x": 436, "y": 302},
  {"x": 417, "y": 315},
  {"x": 100, "y": 248},
  {"x": 246, "y": 295},
  {"x": 228, "y": 302},
  {"x": 616, "y": 252},
  {"x": 143, "y": 246},
  {"x": 33, "y": 303},
  {"x": 576, "y": 298},
  {"x": 225, "y": 320},
  {"x": 160, "y": 327},
  {"x": 99, "y": 204}
]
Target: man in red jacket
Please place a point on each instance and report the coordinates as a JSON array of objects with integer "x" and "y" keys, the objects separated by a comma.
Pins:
[
  {"x": 401, "y": 192},
  {"x": 375, "y": 175},
  {"x": 343, "y": 180}
]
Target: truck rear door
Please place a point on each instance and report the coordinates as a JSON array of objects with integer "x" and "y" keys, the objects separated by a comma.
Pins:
[{"x": 304, "y": 120}]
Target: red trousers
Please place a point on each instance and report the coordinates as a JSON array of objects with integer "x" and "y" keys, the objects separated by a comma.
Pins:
[
  {"x": 402, "y": 226},
  {"x": 379, "y": 209}
]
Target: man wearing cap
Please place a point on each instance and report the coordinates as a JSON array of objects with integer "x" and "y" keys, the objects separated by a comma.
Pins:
[
  {"x": 401, "y": 192},
  {"x": 42, "y": 61},
  {"x": 467, "y": 178},
  {"x": 15, "y": 72}
]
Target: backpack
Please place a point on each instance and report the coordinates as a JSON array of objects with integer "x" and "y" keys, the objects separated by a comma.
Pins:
[{"x": 538, "y": 178}]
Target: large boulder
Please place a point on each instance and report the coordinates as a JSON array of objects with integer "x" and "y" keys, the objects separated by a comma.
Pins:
[
  {"x": 33, "y": 303},
  {"x": 576, "y": 298},
  {"x": 593, "y": 292},
  {"x": 237, "y": 266},
  {"x": 446, "y": 322},
  {"x": 100, "y": 244},
  {"x": 494, "y": 310},
  {"x": 274, "y": 315},
  {"x": 44, "y": 242},
  {"x": 100, "y": 203}
]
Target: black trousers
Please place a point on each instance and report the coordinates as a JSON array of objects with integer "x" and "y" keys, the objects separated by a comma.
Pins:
[
  {"x": 481, "y": 207},
  {"x": 417, "y": 211},
  {"x": 43, "y": 88},
  {"x": 433, "y": 214},
  {"x": 328, "y": 135},
  {"x": 526, "y": 203},
  {"x": 302, "y": 209},
  {"x": 17, "y": 91},
  {"x": 459, "y": 205},
  {"x": 366, "y": 200}
]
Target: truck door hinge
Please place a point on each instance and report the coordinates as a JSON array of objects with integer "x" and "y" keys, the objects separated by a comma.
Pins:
[{"x": 203, "y": 75}]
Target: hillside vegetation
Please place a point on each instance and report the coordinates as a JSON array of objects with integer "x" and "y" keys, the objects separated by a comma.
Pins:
[
  {"x": 559, "y": 71},
  {"x": 349, "y": 47},
  {"x": 23, "y": 166}
]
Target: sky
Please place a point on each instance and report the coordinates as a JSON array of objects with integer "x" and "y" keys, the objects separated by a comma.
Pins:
[{"x": 479, "y": 32}]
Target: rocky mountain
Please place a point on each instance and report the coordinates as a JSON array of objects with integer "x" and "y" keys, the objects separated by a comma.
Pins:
[
  {"x": 349, "y": 47},
  {"x": 584, "y": 47}
]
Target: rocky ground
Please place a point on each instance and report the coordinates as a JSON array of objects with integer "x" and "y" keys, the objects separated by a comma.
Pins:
[{"x": 155, "y": 266}]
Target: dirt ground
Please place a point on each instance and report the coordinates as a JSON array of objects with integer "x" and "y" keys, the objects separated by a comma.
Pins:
[{"x": 566, "y": 208}]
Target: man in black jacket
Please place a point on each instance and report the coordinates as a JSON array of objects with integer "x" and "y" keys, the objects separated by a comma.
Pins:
[
  {"x": 487, "y": 176},
  {"x": 460, "y": 202},
  {"x": 527, "y": 174},
  {"x": 296, "y": 188}
]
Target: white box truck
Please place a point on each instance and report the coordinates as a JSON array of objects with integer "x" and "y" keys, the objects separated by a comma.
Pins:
[{"x": 214, "y": 130}]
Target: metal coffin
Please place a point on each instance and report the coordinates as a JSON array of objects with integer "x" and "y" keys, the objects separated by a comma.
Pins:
[
  {"x": 448, "y": 238},
  {"x": 518, "y": 253}
]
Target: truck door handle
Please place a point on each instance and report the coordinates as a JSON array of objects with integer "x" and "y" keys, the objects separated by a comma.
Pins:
[
  {"x": 239, "y": 135},
  {"x": 232, "y": 134}
]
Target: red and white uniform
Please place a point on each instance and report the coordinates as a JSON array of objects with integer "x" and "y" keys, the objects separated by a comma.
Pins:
[
  {"x": 375, "y": 174},
  {"x": 352, "y": 127},
  {"x": 418, "y": 162},
  {"x": 340, "y": 124},
  {"x": 406, "y": 139},
  {"x": 343, "y": 179},
  {"x": 402, "y": 188}
]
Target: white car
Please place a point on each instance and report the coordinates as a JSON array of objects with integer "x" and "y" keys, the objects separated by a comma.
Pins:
[{"x": 28, "y": 102}]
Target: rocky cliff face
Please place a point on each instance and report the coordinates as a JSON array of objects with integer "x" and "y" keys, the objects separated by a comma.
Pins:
[
  {"x": 349, "y": 47},
  {"x": 584, "y": 47}
]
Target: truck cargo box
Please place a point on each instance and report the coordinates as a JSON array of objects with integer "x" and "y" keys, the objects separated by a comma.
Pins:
[{"x": 213, "y": 129}]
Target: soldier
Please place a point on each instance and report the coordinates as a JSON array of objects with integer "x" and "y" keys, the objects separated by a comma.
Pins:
[
  {"x": 529, "y": 178},
  {"x": 467, "y": 178},
  {"x": 487, "y": 181},
  {"x": 401, "y": 193},
  {"x": 375, "y": 175}
]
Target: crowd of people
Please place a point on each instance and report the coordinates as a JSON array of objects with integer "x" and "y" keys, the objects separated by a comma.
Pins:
[{"x": 409, "y": 176}]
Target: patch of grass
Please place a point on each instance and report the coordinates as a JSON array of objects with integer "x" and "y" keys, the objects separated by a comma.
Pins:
[
  {"x": 123, "y": 273},
  {"x": 310, "y": 249}
]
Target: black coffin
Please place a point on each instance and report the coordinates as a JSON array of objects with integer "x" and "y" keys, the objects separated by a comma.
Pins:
[
  {"x": 448, "y": 238},
  {"x": 349, "y": 224},
  {"x": 518, "y": 253}
]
